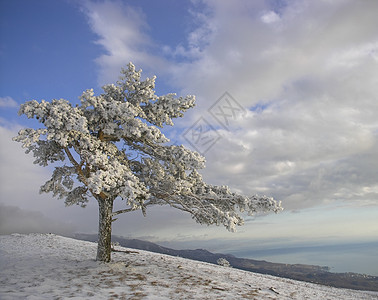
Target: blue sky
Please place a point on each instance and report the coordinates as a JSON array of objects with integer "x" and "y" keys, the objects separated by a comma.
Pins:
[{"x": 304, "y": 72}]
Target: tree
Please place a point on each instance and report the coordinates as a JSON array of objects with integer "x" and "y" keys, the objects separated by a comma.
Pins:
[
  {"x": 111, "y": 147},
  {"x": 223, "y": 262}
]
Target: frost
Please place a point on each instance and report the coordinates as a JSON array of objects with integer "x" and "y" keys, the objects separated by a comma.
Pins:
[{"x": 111, "y": 146}]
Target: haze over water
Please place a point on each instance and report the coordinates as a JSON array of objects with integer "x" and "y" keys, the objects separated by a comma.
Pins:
[{"x": 357, "y": 257}]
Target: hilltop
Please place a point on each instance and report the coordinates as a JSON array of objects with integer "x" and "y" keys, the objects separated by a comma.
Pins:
[{"x": 47, "y": 266}]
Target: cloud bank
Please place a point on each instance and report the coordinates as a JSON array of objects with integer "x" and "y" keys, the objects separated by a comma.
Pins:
[
  {"x": 306, "y": 72},
  {"x": 16, "y": 220}
]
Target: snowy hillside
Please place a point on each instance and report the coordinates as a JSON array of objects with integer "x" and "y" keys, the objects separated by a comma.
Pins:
[{"x": 46, "y": 266}]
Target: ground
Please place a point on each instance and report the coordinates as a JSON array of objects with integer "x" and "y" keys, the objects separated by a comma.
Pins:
[{"x": 47, "y": 266}]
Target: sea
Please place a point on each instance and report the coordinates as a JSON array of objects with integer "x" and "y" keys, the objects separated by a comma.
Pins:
[{"x": 359, "y": 258}]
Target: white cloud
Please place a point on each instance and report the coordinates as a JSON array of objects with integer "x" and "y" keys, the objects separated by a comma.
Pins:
[
  {"x": 270, "y": 17},
  {"x": 315, "y": 77},
  {"x": 121, "y": 32},
  {"x": 8, "y": 102},
  {"x": 352, "y": 57}
]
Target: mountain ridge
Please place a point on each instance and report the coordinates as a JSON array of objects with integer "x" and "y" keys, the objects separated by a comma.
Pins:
[{"x": 302, "y": 272}]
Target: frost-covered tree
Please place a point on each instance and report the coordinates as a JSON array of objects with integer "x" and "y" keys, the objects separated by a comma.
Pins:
[
  {"x": 223, "y": 262},
  {"x": 111, "y": 147}
]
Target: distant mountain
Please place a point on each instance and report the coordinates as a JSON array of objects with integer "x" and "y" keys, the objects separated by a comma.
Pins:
[{"x": 308, "y": 273}]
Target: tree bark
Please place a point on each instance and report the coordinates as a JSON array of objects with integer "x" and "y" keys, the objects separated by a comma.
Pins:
[{"x": 105, "y": 209}]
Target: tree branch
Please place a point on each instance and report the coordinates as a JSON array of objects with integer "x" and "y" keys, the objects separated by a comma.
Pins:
[
  {"x": 76, "y": 165},
  {"x": 81, "y": 175},
  {"x": 115, "y": 213}
]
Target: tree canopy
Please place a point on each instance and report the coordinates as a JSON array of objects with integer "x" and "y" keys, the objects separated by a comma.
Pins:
[{"x": 111, "y": 147}]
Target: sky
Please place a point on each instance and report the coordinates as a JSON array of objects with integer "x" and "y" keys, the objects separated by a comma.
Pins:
[{"x": 286, "y": 97}]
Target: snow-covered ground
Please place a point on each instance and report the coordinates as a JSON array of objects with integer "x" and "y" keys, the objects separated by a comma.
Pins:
[{"x": 47, "y": 266}]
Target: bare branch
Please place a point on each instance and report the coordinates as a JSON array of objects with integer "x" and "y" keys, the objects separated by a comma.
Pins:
[
  {"x": 115, "y": 213},
  {"x": 76, "y": 165}
]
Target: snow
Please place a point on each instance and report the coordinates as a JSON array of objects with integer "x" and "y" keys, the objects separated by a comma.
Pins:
[{"x": 47, "y": 266}]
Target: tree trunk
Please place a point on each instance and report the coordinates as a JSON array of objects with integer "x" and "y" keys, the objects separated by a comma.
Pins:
[{"x": 105, "y": 208}]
